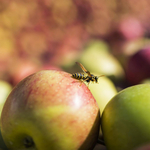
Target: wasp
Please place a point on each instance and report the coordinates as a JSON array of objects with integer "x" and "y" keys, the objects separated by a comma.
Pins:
[{"x": 85, "y": 76}]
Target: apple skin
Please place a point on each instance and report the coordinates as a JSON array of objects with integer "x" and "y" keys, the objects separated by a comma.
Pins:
[
  {"x": 22, "y": 69},
  {"x": 100, "y": 147},
  {"x": 2, "y": 144},
  {"x": 138, "y": 66},
  {"x": 103, "y": 91},
  {"x": 125, "y": 119},
  {"x": 51, "y": 109},
  {"x": 5, "y": 89},
  {"x": 145, "y": 147},
  {"x": 103, "y": 63}
]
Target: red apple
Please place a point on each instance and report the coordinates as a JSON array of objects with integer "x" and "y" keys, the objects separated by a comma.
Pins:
[
  {"x": 138, "y": 66},
  {"x": 130, "y": 28},
  {"x": 50, "y": 110},
  {"x": 50, "y": 67},
  {"x": 22, "y": 68}
]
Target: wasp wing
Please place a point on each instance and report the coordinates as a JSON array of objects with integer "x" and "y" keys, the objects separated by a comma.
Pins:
[{"x": 84, "y": 70}]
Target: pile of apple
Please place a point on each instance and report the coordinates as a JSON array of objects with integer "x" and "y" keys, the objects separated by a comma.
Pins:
[
  {"x": 38, "y": 34},
  {"x": 42, "y": 107},
  {"x": 51, "y": 110}
]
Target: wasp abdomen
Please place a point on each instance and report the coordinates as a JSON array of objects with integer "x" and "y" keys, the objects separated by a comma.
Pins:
[{"x": 78, "y": 76}]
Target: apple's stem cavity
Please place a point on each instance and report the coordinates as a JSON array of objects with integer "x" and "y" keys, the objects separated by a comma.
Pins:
[{"x": 28, "y": 142}]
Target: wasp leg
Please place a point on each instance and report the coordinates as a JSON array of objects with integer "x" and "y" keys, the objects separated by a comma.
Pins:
[
  {"x": 88, "y": 84},
  {"x": 80, "y": 82}
]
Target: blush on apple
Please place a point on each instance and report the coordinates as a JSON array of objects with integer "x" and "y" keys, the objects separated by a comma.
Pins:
[
  {"x": 22, "y": 68},
  {"x": 50, "y": 67},
  {"x": 144, "y": 147},
  {"x": 138, "y": 66},
  {"x": 130, "y": 28},
  {"x": 50, "y": 110}
]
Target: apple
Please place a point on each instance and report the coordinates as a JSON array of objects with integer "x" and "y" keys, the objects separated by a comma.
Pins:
[
  {"x": 100, "y": 147},
  {"x": 145, "y": 81},
  {"x": 5, "y": 89},
  {"x": 144, "y": 147},
  {"x": 2, "y": 144},
  {"x": 48, "y": 66},
  {"x": 125, "y": 119},
  {"x": 97, "y": 58},
  {"x": 50, "y": 110},
  {"x": 130, "y": 28},
  {"x": 22, "y": 69},
  {"x": 138, "y": 66},
  {"x": 103, "y": 91}
]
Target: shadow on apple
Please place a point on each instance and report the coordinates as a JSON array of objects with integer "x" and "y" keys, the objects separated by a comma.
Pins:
[
  {"x": 91, "y": 133},
  {"x": 2, "y": 144}
]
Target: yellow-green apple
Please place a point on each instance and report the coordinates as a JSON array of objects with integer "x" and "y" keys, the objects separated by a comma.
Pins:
[
  {"x": 5, "y": 89},
  {"x": 97, "y": 58},
  {"x": 50, "y": 110},
  {"x": 103, "y": 91},
  {"x": 145, "y": 81},
  {"x": 125, "y": 119}
]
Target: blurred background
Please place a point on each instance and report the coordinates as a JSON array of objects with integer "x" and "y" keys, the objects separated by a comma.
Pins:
[{"x": 108, "y": 37}]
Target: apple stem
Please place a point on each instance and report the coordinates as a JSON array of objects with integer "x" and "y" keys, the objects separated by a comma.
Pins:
[{"x": 99, "y": 141}]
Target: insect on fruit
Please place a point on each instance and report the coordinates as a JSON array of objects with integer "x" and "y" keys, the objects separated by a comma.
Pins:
[{"x": 88, "y": 77}]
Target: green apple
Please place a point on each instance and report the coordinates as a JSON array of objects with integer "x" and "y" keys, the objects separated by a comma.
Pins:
[
  {"x": 49, "y": 110},
  {"x": 103, "y": 91},
  {"x": 125, "y": 119}
]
